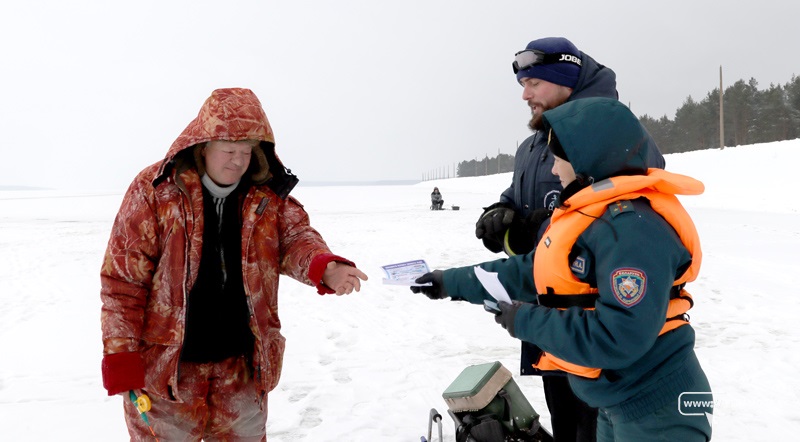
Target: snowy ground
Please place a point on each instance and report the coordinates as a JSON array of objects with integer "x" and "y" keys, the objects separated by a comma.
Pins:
[{"x": 370, "y": 366}]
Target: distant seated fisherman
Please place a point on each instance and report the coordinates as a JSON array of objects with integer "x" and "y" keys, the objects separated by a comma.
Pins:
[{"x": 436, "y": 199}]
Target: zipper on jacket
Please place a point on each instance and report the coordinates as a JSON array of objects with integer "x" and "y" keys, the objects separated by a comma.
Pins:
[
  {"x": 186, "y": 273},
  {"x": 259, "y": 212}
]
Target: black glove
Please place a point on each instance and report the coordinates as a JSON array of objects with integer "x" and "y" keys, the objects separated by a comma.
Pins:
[
  {"x": 508, "y": 312},
  {"x": 492, "y": 224},
  {"x": 523, "y": 233},
  {"x": 435, "y": 290}
]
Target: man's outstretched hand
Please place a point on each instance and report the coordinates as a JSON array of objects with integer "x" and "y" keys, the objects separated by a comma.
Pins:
[{"x": 343, "y": 278}]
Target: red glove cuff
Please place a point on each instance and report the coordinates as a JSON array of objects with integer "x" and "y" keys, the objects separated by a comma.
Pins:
[
  {"x": 317, "y": 269},
  {"x": 122, "y": 372}
]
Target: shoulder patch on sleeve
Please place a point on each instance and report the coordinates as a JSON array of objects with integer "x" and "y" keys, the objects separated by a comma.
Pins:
[
  {"x": 628, "y": 285},
  {"x": 620, "y": 207}
]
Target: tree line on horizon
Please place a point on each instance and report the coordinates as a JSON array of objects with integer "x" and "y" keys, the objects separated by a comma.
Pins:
[{"x": 750, "y": 116}]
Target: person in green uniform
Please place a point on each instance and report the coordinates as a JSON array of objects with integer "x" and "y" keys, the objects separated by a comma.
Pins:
[{"x": 603, "y": 294}]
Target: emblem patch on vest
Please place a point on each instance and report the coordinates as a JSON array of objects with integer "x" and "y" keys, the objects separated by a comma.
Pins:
[{"x": 628, "y": 285}]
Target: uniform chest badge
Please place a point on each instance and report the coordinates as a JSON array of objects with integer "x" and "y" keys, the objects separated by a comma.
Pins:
[
  {"x": 579, "y": 266},
  {"x": 628, "y": 286},
  {"x": 551, "y": 198}
]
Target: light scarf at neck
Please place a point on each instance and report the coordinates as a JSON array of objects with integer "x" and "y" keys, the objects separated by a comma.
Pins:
[
  {"x": 218, "y": 194},
  {"x": 215, "y": 189}
]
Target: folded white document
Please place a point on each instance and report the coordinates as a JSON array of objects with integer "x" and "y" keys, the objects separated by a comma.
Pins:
[{"x": 491, "y": 283}]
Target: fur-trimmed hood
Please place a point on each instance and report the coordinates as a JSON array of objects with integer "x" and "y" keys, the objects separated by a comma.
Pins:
[{"x": 231, "y": 114}]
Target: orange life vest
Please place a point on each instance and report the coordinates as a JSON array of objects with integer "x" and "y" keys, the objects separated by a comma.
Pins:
[{"x": 552, "y": 273}]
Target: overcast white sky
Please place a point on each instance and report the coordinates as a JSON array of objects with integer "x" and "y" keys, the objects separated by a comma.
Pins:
[{"x": 93, "y": 91}]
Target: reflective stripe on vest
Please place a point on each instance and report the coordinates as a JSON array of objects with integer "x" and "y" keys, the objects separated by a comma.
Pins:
[{"x": 552, "y": 273}]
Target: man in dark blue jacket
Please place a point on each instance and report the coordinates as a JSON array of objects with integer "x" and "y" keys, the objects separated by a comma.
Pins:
[{"x": 552, "y": 72}]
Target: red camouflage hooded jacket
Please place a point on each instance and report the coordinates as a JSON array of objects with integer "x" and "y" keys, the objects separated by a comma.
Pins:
[{"x": 154, "y": 251}]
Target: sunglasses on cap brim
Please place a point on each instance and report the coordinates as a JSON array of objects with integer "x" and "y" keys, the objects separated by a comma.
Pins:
[{"x": 531, "y": 57}]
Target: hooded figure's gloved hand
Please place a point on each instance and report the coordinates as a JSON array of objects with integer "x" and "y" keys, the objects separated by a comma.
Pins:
[
  {"x": 492, "y": 225},
  {"x": 435, "y": 290},
  {"x": 508, "y": 312}
]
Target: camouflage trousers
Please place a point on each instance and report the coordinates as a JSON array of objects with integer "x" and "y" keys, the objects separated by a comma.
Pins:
[{"x": 220, "y": 404}]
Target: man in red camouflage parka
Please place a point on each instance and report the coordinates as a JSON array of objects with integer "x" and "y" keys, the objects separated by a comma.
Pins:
[{"x": 190, "y": 277}]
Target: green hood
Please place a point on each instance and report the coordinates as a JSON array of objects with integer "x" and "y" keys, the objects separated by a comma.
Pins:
[{"x": 600, "y": 136}]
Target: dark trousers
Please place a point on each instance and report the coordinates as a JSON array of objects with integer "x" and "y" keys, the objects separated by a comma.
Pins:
[{"x": 571, "y": 419}]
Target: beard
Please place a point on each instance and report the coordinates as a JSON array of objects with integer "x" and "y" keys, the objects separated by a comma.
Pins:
[{"x": 536, "y": 121}]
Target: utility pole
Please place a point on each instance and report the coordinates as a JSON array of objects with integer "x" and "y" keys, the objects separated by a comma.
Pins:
[{"x": 721, "y": 113}]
